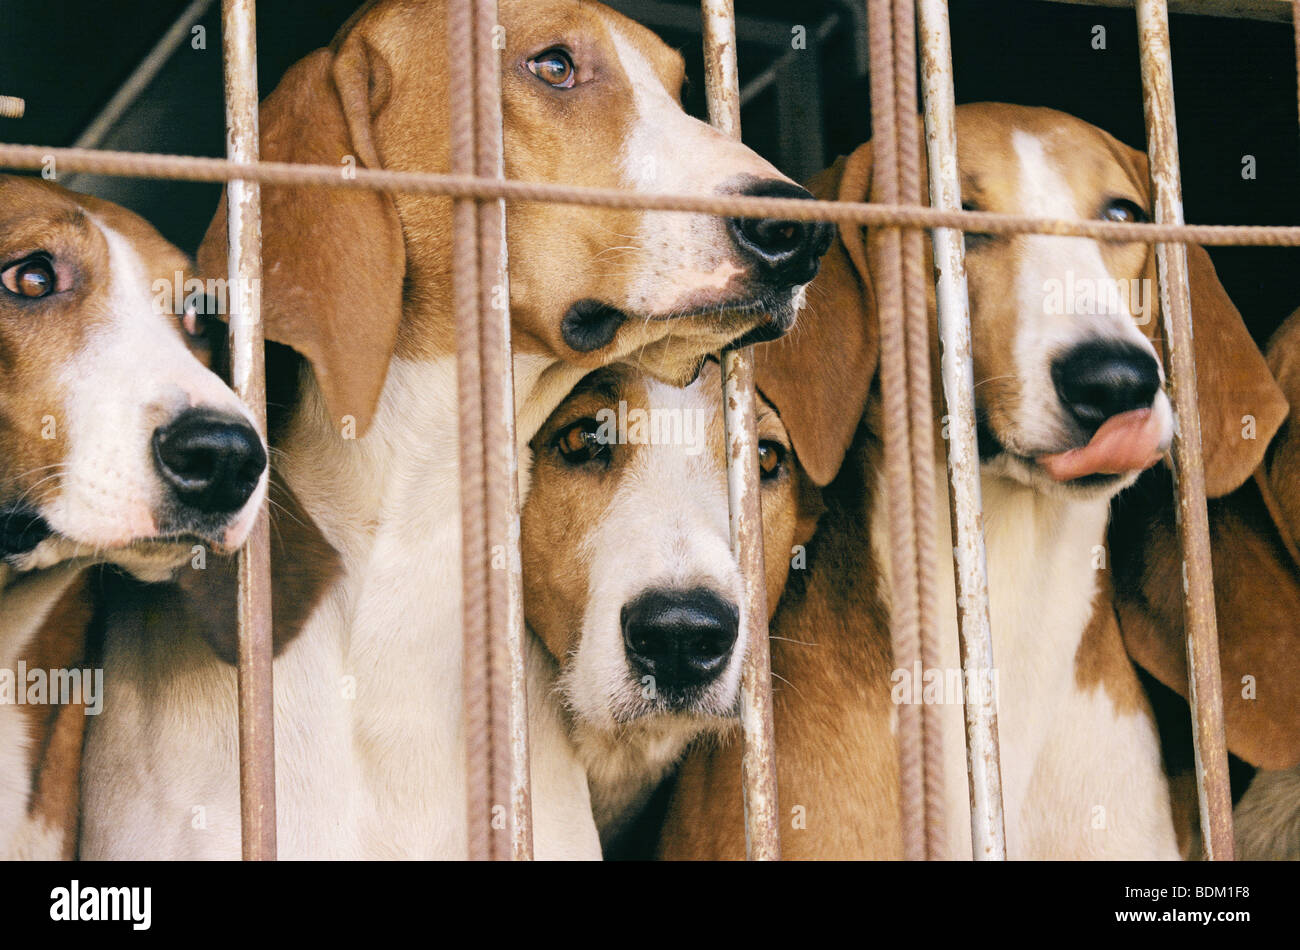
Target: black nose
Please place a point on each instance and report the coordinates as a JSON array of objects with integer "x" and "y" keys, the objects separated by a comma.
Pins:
[
  {"x": 211, "y": 461},
  {"x": 681, "y": 638},
  {"x": 1100, "y": 379},
  {"x": 784, "y": 253}
]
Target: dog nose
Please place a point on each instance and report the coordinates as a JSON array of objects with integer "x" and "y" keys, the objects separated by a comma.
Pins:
[
  {"x": 1100, "y": 379},
  {"x": 784, "y": 253},
  {"x": 211, "y": 461},
  {"x": 681, "y": 638}
]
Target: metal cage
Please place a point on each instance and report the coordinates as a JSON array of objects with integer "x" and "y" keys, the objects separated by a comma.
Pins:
[{"x": 493, "y": 631}]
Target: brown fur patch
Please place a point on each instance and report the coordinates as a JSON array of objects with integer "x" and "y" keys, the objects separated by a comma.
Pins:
[{"x": 58, "y": 728}]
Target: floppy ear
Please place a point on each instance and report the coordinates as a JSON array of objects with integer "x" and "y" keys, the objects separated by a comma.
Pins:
[
  {"x": 819, "y": 375},
  {"x": 1233, "y": 383},
  {"x": 333, "y": 261}
]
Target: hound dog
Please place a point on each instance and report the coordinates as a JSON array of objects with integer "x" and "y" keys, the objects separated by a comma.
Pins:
[
  {"x": 1254, "y": 531},
  {"x": 116, "y": 445},
  {"x": 369, "y": 738},
  {"x": 629, "y": 577},
  {"x": 1070, "y": 400}
]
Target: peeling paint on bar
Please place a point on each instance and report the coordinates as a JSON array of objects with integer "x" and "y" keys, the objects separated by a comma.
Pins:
[
  {"x": 1205, "y": 682},
  {"x": 244, "y": 227},
  {"x": 758, "y": 769},
  {"x": 988, "y": 835}
]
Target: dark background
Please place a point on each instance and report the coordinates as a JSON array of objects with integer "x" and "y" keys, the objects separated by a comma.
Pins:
[{"x": 1235, "y": 85}]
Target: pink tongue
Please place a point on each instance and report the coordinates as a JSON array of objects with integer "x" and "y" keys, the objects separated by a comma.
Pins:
[{"x": 1128, "y": 442}]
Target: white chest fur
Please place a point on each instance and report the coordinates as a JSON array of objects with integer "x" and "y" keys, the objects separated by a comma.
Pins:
[
  {"x": 369, "y": 744},
  {"x": 1079, "y": 778}
]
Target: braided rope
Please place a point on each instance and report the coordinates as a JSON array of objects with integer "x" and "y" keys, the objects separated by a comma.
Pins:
[
  {"x": 467, "y": 186},
  {"x": 921, "y": 410},
  {"x": 904, "y": 620}
]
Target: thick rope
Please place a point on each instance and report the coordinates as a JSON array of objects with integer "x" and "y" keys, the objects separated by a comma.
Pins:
[
  {"x": 877, "y": 215},
  {"x": 474, "y": 550},
  {"x": 921, "y": 411},
  {"x": 904, "y": 618}
]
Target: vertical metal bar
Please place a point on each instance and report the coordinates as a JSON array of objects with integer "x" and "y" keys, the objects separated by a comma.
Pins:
[
  {"x": 244, "y": 227},
  {"x": 509, "y": 722},
  {"x": 1295, "y": 24},
  {"x": 988, "y": 835},
  {"x": 762, "y": 824},
  {"x": 1205, "y": 683}
]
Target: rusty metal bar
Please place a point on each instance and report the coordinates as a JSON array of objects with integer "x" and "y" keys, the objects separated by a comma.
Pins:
[
  {"x": 1295, "y": 25},
  {"x": 1205, "y": 682},
  {"x": 1275, "y": 10},
  {"x": 758, "y": 768},
  {"x": 244, "y": 224},
  {"x": 509, "y": 723},
  {"x": 988, "y": 835}
]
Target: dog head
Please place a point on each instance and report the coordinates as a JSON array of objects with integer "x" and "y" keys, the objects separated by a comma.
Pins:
[
  {"x": 116, "y": 442},
  {"x": 589, "y": 98},
  {"x": 1066, "y": 332},
  {"x": 629, "y": 577}
]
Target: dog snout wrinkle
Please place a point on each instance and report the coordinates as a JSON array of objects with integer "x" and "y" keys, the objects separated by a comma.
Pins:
[
  {"x": 681, "y": 638},
  {"x": 1101, "y": 379},
  {"x": 783, "y": 253},
  {"x": 211, "y": 461}
]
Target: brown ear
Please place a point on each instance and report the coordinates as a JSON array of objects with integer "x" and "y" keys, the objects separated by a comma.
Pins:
[
  {"x": 333, "y": 260},
  {"x": 1283, "y": 465},
  {"x": 1233, "y": 383},
  {"x": 819, "y": 375}
]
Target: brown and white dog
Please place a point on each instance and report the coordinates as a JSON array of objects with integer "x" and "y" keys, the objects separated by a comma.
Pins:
[
  {"x": 1069, "y": 391},
  {"x": 629, "y": 577},
  {"x": 369, "y": 739},
  {"x": 117, "y": 446}
]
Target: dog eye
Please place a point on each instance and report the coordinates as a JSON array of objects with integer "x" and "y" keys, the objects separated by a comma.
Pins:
[
  {"x": 770, "y": 457},
  {"x": 1124, "y": 211},
  {"x": 580, "y": 443},
  {"x": 31, "y": 278},
  {"x": 555, "y": 68}
]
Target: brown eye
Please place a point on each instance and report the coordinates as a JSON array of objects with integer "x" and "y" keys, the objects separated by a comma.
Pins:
[
  {"x": 580, "y": 443},
  {"x": 1123, "y": 211},
  {"x": 31, "y": 278},
  {"x": 770, "y": 457},
  {"x": 555, "y": 68}
]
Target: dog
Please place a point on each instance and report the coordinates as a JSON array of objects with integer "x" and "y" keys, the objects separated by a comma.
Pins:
[
  {"x": 1071, "y": 408},
  {"x": 117, "y": 445},
  {"x": 369, "y": 737},
  {"x": 629, "y": 578}
]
